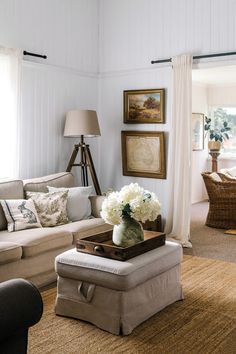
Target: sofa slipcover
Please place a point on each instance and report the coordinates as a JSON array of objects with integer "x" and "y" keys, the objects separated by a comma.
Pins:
[
  {"x": 9, "y": 190},
  {"x": 38, "y": 240},
  {"x": 62, "y": 179},
  {"x": 9, "y": 252},
  {"x": 31, "y": 253}
]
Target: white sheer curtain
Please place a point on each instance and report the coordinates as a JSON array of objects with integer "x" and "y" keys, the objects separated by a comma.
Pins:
[
  {"x": 10, "y": 70},
  {"x": 178, "y": 222}
]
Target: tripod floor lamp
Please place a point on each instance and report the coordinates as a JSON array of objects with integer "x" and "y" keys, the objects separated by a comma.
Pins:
[{"x": 83, "y": 123}]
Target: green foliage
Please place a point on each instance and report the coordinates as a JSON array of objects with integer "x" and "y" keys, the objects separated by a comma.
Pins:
[
  {"x": 151, "y": 103},
  {"x": 126, "y": 212},
  {"x": 218, "y": 128}
]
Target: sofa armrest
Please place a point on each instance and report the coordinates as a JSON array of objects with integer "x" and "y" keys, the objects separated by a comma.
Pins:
[
  {"x": 96, "y": 205},
  {"x": 21, "y": 306}
]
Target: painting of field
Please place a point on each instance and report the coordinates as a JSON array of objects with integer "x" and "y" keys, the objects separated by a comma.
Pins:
[{"x": 143, "y": 106}]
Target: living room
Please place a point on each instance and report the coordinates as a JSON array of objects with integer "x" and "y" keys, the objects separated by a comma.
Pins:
[{"x": 96, "y": 50}]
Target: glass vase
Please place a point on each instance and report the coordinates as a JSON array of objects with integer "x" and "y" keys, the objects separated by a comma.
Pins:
[{"x": 127, "y": 233}]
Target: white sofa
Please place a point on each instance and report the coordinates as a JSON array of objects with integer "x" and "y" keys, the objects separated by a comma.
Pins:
[{"x": 30, "y": 253}]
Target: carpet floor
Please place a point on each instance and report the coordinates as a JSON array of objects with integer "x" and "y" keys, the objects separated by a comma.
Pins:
[
  {"x": 207, "y": 241},
  {"x": 203, "y": 323}
]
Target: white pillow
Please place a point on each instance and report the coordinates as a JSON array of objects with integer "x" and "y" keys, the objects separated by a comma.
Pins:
[
  {"x": 231, "y": 171},
  {"x": 78, "y": 204},
  {"x": 20, "y": 214}
]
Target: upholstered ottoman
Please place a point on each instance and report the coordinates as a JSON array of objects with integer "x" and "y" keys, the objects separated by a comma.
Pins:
[{"x": 118, "y": 296}]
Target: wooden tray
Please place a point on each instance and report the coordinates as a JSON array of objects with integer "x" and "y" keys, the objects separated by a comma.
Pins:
[{"x": 101, "y": 245}]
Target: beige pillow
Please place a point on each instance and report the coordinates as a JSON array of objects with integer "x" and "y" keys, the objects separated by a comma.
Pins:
[
  {"x": 78, "y": 205},
  {"x": 20, "y": 214},
  {"x": 51, "y": 207}
]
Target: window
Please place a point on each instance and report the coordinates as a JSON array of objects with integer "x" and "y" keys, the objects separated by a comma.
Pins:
[{"x": 227, "y": 114}]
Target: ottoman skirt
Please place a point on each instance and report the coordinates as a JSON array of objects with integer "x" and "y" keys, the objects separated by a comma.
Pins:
[{"x": 118, "y": 312}]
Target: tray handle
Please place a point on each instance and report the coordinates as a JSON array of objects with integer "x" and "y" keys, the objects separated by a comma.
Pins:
[{"x": 99, "y": 249}]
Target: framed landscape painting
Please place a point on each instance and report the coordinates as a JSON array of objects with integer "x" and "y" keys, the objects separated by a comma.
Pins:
[
  {"x": 197, "y": 131},
  {"x": 144, "y": 106},
  {"x": 143, "y": 154}
]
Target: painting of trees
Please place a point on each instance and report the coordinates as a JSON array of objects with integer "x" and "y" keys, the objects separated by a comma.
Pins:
[{"x": 144, "y": 106}]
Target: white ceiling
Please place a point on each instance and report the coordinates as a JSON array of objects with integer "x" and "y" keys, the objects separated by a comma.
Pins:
[{"x": 220, "y": 75}]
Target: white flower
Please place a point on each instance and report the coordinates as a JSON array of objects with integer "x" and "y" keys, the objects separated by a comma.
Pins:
[
  {"x": 131, "y": 201},
  {"x": 130, "y": 192},
  {"x": 112, "y": 209}
]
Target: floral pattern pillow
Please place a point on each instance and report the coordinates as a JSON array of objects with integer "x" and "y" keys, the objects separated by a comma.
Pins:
[{"x": 51, "y": 207}]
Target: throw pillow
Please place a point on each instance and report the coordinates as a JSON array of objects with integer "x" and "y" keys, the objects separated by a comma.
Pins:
[
  {"x": 20, "y": 214},
  {"x": 231, "y": 171},
  {"x": 51, "y": 207},
  {"x": 216, "y": 177},
  {"x": 78, "y": 206}
]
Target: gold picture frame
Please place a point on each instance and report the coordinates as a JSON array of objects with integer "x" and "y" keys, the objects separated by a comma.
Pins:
[
  {"x": 143, "y": 154},
  {"x": 144, "y": 106},
  {"x": 198, "y": 131}
]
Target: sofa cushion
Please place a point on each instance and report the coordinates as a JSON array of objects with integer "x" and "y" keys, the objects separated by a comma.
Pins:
[
  {"x": 20, "y": 214},
  {"x": 62, "y": 179},
  {"x": 9, "y": 252},
  {"x": 78, "y": 204},
  {"x": 9, "y": 190},
  {"x": 84, "y": 228},
  {"x": 36, "y": 241},
  {"x": 51, "y": 207}
]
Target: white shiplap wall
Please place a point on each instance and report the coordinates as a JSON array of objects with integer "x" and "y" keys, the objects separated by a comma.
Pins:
[
  {"x": 111, "y": 111},
  {"x": 134, "y": 32},
  {"x": 67, "y": 32},
  {"x": 47, "y": 94}
]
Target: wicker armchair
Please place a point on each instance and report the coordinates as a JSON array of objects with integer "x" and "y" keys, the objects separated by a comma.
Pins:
[{"x": 222, "y": 202}]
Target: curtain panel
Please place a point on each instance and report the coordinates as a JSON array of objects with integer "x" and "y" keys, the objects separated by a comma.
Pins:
[
  {"x": 10, "y": 73},
  {"x": 179, "y": 199}
]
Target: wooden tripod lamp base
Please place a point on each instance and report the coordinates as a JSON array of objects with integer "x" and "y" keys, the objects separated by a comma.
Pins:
[
  {"x": 83, "y": 123},
  {"x": 86, "y": 162}
]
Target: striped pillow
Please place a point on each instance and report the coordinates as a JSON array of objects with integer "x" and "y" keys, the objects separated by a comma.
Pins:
[{"x": 20, "y": 214}]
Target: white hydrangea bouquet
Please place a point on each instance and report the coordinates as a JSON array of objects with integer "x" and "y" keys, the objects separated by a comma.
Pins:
[{"x": 127, "y": 208}]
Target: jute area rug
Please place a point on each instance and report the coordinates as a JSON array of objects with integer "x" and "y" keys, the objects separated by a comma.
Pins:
[{"x": 204, "y": 322}]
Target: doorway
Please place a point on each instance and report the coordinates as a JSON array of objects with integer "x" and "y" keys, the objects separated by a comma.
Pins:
[{"x": 213, "y": 87}]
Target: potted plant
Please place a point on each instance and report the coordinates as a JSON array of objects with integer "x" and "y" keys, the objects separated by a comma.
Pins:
[{"x": 217, "y": 130}]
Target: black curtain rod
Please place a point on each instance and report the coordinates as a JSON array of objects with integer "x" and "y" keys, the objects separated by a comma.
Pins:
[
  {"x": 34, "y": 55},
  {"x": 195, "y": 57}
]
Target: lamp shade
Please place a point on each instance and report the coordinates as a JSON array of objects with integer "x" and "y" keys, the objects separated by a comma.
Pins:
[{"x": 81, "y": 122}]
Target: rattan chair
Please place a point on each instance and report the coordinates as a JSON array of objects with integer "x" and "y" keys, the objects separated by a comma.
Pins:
[{"x": 222, "y": 202}]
